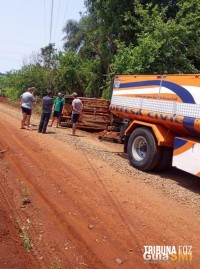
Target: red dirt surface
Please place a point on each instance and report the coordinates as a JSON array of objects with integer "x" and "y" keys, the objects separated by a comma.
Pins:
[{"x": 82, "y": 212}]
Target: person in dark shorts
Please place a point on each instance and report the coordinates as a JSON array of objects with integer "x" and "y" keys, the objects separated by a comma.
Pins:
[
  {"x": 77, "y": 107},
  {"x": 47, "y": 104},
  {"x": 27, "y": 101},
  {"x": 58, "y": 106}
]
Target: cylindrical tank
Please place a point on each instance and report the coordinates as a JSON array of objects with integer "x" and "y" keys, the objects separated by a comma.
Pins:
[{"x": 172, "y": 101}]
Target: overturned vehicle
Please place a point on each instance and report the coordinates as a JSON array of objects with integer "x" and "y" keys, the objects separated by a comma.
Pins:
[{"x": 95, "y": 115}]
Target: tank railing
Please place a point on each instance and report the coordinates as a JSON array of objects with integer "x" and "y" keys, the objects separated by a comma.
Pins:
[{"x": 162, "y": 106}]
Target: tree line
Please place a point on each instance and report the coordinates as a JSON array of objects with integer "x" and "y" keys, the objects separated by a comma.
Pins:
[{"x": 114, "y": 37}]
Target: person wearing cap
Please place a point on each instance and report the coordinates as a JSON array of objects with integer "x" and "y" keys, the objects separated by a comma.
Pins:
[
  {"x": 57, "y": 110},
  {"x": 77, "y": 107},
  {"x": 27, "y": 101}
]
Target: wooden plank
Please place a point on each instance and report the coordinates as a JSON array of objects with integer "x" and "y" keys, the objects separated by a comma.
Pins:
[{"x": 95, "y": 115}]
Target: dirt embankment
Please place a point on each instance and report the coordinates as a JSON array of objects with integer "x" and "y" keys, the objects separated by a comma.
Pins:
[{"x": 76, "y": 202}]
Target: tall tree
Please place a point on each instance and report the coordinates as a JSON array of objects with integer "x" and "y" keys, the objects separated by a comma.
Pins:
[
  {"x": 47, "y": 55},
  {"x": 73, "y": 35}
]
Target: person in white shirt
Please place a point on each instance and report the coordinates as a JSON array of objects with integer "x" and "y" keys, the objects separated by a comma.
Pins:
[
  {"x": 27, "y": 101},
  {"x": 77, "y": 107}
]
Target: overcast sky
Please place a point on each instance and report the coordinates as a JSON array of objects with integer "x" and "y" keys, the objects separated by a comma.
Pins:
[{"x": 25, "y": 27}]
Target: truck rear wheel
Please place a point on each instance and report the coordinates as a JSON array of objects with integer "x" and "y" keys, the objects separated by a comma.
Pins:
[
  {"x": 165, "y": 159},
  {"x": 143, "y": 151}
]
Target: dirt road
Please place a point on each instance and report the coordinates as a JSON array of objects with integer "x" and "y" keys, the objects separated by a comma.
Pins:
[{"x": 76, "y": 203}]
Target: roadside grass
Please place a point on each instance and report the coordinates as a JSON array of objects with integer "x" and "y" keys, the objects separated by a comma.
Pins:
[
  {"x": 4, "y": 163},
  {"x": 25, "y": 196},
  {"x": 24, "y": 235},
  {"x": 55, "y": 267},
  {"x": 56, "y": 264},
  {"x": 25, "y": 238}
]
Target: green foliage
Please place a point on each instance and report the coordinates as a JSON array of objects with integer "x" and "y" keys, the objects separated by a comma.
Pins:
[
  {"x": 11, "y": 93},
  {"x": 48, "y": 56},
  {"x": 115, "y": 37},
  {"x": 76, "y": 74},
  {"x": 73, "y": 37},
  {"x": 68, "y": 79},
  {"x": 2, "y": 85},
  {"x": 25, "y": 239},
  {"x": 162, "y": 46}
]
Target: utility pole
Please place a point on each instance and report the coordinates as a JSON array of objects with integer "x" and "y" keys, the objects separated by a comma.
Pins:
[
  {"x": 51, "y": 46},
  {"x": 51, "y": 21}
]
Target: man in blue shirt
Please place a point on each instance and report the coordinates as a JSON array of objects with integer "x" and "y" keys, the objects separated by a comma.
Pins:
[{"x": 47, "y": 104}]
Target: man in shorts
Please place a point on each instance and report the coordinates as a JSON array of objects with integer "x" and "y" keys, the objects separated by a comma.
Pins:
[
  {"x": 77, "y": 107},
  {"x": 59, "y": 102},
  {"x": 27, "y": 99}
]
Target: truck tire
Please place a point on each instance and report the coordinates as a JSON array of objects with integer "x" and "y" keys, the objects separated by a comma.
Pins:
[
  {"x": 165, "y": 159},
  {"x": 143, "y": 151}
]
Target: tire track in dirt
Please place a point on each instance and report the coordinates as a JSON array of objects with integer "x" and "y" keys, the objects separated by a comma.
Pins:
[
  {"x": 20, "y": 216},
  {"x": 23, "y": 173},
  {"x": 14, "y": 215},
  {"x": 56, "y": 213}
]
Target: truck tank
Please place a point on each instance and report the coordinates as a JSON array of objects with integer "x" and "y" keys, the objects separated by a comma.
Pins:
[
  {"x": 164, "y": 115},
  {"x": 172, "y": 101}
]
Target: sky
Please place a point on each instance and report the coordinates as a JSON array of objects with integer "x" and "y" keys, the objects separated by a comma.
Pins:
[{"x": 25, "y": 27}]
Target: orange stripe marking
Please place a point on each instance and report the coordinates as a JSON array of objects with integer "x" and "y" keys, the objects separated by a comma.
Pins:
[{"x": 182, "y": 149}]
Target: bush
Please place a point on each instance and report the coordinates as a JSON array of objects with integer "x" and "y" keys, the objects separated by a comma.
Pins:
[
  {"x": 2, "y": 92},
  {"x": 11, "y": 93}
]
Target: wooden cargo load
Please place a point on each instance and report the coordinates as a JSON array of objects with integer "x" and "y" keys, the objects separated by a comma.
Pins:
[{"x": 95, "y": 116}]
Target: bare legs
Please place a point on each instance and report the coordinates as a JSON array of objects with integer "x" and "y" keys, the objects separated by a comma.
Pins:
[
  {"x": 28, "y": 121},
  {"x": 24, "y": 118},
  {"x": 57, "y": 123},
  {"x": 73, "y": 128},
  {"x": 25, "y": 122}
]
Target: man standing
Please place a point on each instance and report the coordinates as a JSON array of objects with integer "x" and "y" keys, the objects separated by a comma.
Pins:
[
  {"x": 47, "y": 104},
  {"x": 58, "y": 106},
  {"x": 27, "y": 99},
  {"x": 77, "y": 108}
]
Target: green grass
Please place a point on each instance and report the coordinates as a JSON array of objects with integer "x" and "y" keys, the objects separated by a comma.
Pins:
[
  {"x": 25, "y": 239},
  {"x": 25, "y": 196},
  {"x": 4, "y": 163}
]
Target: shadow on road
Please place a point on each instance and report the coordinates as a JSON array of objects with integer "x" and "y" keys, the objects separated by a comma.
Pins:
[{"x": 182, "y": 178}]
